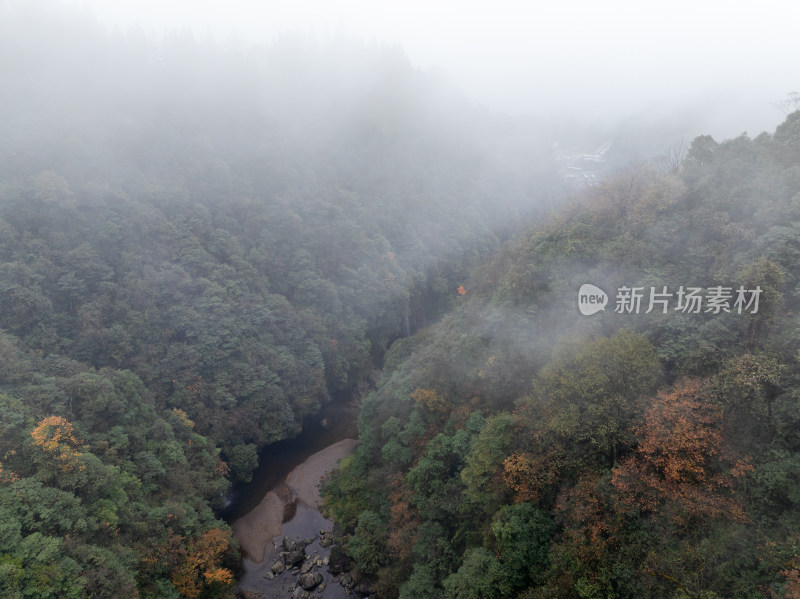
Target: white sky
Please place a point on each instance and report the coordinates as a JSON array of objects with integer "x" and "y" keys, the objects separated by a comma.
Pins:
[{"x": 603, "y": 57}]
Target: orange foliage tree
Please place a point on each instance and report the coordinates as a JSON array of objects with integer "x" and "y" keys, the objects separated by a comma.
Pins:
[
  {"x": 404, "y": 520},
  {"x": 200, "y": 563},
  {"x": 431, "y": 401},
  {"x": 591, "y": 525},
  {"x": 682, "y": 461},
  {"x": 527, "y": 475},
  {"x": 56, "y": 437},
  {"x": 6, "y": 476},
  {"x": 792, "y": 576},
  {"x": 183, "y": 418}
]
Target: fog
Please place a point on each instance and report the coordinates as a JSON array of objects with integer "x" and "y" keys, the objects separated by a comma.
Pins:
[
  {"x": 214, "y": 218},
  {"x": 378, "y": 95},
  {"x": 597, "y": 62}
]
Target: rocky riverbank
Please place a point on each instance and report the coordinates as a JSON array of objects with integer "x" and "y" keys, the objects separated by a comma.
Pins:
[{"x": 285, "y": 540}]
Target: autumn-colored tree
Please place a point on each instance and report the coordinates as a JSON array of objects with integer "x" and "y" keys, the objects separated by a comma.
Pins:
[
  {"x": 431, "y": 401},
  {"x": 404, "y": 520},
  {"x": 200, "y": 563},
  {"x": 183, "y": 418},
  {"x": 792, "y": 576},
  {"x": 528, "y": 475},
  {"x": 586, "y": 511},
  {"x": 56, "y": 437},
  {"x": 593, "y": 556},
  {"x": 681, "y": 460},
  {"x": 7, "y": 476}
]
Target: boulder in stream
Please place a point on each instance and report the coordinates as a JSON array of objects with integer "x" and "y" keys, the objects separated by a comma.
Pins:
[
  {"x": 306, "y": 567},
  {"x": 292, "y": 558},
  {"x": 295, "y": 544},
  {"x": 278, "y": 567},
  {"x": 346, "y": 580},
  {"x": 309, "y": 580}
]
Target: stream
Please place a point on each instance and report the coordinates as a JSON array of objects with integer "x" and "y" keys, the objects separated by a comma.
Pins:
[
  {"x": 281, "y": 502},
  {"x": 276, "y": 461}
]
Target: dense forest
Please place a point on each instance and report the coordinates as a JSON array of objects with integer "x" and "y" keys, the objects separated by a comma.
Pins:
[
  {"x": 519, "y": 448},
  {"x": 199, "y": 242}
]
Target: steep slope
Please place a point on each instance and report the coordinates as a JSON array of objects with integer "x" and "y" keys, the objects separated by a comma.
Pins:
[
  {"x": 520, "y": 448},
  {"x": 198, "y": 242}
]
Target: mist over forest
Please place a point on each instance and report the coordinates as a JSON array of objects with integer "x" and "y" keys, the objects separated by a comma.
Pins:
[{"x": 202, "y": 242}]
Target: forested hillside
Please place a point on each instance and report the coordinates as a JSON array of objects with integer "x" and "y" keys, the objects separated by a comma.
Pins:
[
  {"x": 201, "y": 240},
  {"x": 520, "y": 448},
  {"x": 198, "y": 242}
]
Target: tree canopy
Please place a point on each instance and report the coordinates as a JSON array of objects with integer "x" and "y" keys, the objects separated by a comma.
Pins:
[{"x": 627, "y": 453}]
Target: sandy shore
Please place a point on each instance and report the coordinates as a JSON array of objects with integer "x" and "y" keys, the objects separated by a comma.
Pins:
[
  {"x": 257, "y": 529},
  {"x": 304, "y": 479}
]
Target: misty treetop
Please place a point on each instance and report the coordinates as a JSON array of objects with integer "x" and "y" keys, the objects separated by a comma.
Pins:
[
  {"x": 526, "y": 450},
  {"x": 198, "y": 242},
  {"x": 244, "y": 228}
]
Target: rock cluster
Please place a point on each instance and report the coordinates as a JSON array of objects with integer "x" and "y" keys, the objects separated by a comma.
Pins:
[
  {"x": 307, "y": 571},
  {"x": 294, "y": 559}
]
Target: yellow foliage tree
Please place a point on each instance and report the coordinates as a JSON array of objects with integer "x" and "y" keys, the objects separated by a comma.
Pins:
[
  {"x": 201, "y": 563},
  {"x": 56, "y": 437},
  {"x": 184, "y": 418},
  {"x": 430, "y": 401}
]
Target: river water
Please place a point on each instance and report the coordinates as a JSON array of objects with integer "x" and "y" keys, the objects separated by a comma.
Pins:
[
  {"x": 336, "y": 420},
  {"x": 305, "y": 524}
]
